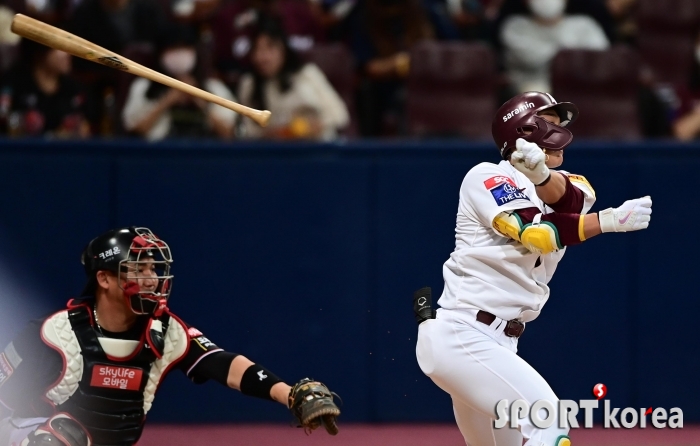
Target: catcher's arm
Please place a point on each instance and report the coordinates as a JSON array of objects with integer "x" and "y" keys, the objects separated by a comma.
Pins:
[
  {"x": 310, "y": 401},
  {"x": 255, "y": 380}
]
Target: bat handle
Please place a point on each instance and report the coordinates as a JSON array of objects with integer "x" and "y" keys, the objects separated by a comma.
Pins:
[{"x": 262, "y": 117}]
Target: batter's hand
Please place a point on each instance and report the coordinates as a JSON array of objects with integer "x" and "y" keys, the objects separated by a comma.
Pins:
[
  {"x": 633, "y": 215},
  {"x": 530, "y": 159}
]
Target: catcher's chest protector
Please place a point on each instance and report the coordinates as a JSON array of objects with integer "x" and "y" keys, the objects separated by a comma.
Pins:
[{"x": 110, "y": 395}]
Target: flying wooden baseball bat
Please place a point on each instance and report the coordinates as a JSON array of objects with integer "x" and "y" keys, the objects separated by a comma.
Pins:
[{"x": 70, "y": 43}]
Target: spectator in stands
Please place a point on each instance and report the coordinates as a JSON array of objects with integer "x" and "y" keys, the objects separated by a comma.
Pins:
[
  {"x": 112, "y": 24},
  {"x": 333, "y": 15},
  {"x": 383, "y": 34},
  {"x": 115, "y": 23},
  {"x": 39, "y": 98},
  {"x": 530, "y": 42},
  {"x": 683, "y": 103},
  {"x": 460, "y": 19},
  {"x": 596, "y": 9},
  {"x": 9, "y": 41},
  {"x": 622, "y": 12},
  {"x": 54, "y": 12},
  {"x": 7, "y": 37},
  {"x": 302, "y": 101},
  {"x": 192, "y": 11},
  {"x": 237, "y": 21},
  {"x": 155, "y": 111}
]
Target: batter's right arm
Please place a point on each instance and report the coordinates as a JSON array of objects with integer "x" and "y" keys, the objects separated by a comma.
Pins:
[{"x": 545, "y": 233}]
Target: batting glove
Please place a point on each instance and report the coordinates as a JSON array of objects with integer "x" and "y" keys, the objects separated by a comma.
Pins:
[
  {"x": 529, "y": 159},
  {"x": 633, "y": 215}
]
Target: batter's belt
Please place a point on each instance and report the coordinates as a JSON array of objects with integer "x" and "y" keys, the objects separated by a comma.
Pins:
[{"x": 514, "y": 328}]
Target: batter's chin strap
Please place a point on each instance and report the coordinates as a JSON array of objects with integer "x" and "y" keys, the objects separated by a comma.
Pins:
[
  {"x": 423, "y": 305},
  {"x": 59, "y": 430}
]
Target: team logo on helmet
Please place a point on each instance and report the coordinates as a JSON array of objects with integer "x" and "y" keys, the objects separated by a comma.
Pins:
[{"x": 518, "y": 110}]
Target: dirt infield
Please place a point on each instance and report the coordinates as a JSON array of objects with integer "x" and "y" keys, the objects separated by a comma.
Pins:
[{"x": 389, "y": 435}]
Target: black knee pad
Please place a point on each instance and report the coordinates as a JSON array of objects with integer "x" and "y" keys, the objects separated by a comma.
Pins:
[{"x": 60, "y": 430}]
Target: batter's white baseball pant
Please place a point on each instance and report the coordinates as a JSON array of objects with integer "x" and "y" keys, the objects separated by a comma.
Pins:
[{"x": 478, "y": 366}]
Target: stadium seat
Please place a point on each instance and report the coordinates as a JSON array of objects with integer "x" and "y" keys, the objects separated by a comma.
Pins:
[
  {"x": 338, "y": 65},
  {"x": 605, "y": 87},
  {"x": 667, "y": 34},
  {"x": 451, "y": 90}
]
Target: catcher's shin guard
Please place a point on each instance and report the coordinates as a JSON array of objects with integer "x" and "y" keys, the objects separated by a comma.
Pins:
[
  {"x": 59, "y": 430},
  {"x": 423, "y": 305}
]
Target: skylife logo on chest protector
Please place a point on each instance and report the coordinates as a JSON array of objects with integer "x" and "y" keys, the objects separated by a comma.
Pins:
[
  {"x": 504, "y": 190},
  {"x": 114, "y": 377}
]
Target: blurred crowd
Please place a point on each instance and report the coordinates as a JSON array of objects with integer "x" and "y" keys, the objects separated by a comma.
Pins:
[{"x": 354, "y": 68}]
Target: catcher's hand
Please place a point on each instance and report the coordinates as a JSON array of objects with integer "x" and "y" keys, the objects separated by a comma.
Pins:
[{"x": 311, "y": 403}]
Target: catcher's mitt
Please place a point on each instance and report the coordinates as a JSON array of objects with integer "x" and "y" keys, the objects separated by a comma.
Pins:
[{"x": 312, "y": 404}]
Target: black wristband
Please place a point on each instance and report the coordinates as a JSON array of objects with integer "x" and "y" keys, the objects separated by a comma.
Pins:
[
  {"x": 549, "y": 177},
  {"x": 257, "y": 381}
]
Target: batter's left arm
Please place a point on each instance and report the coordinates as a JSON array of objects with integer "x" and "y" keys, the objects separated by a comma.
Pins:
[
  {"x": 568, "y": 194},
  {"x": 560, "y": 195}
]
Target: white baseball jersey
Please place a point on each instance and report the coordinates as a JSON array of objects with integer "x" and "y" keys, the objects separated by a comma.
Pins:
[{"x": 487, "y": 270}]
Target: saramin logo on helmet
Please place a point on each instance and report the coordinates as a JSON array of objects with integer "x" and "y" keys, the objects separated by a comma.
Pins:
[{"x": 517, "y": 111}]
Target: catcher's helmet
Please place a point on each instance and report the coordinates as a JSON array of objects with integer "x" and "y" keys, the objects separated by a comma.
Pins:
[
  {"x": 520, "y": 114},
  {"x": 121, "y": 251}
]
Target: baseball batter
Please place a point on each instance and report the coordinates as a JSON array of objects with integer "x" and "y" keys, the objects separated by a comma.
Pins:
[
  {"x": 87, "y": 374},
  {"x": 514, "y": 222}
]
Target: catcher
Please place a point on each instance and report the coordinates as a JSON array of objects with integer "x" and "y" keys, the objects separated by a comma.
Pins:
[{"x": 88, "y": 374}]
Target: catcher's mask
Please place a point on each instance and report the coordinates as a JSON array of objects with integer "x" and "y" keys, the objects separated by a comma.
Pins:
[
  {"x": 518, "y": 118},
  {"x": 137, "y": 256}
]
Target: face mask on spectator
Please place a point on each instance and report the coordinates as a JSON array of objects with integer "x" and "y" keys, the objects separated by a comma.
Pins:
[
  {"x": 548, "y": 9},
  {"x": 180, "y": 61}
]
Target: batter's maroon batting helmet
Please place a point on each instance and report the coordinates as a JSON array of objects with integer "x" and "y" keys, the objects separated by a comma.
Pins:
[{"x": 518, "y": 118}]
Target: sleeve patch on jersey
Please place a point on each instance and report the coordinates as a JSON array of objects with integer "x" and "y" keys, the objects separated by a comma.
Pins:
[
  {"x": 5, "y": 369},
  {"x": 497, "y": 181},
  {"x": 581, "y": 180},
  {"x": 193, "y": 332},
  {"x": 205, "y": 343},
  {"x": 504, "y": 190}
]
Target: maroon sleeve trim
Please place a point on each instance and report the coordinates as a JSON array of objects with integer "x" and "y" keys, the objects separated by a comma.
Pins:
[{"x": 571, "y": 201}]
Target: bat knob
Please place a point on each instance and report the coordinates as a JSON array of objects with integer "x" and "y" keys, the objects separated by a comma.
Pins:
[{"x": 262, "y": 117}]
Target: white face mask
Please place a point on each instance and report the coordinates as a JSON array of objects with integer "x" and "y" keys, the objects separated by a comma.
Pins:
[
  {"x": 179, "y": 61},
  {"x": 548, "y": 9}
]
